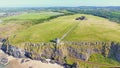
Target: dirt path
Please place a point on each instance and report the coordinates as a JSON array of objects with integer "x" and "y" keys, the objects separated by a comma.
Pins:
[{"x": 70, "y": 30}]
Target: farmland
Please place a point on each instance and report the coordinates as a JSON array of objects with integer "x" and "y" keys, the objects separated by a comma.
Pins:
[
  {"x": 92, "y": 29},
  {"x": 12, "y": 24}
]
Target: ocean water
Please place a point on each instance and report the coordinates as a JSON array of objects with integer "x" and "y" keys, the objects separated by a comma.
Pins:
[{"x": 2, "y": 66}]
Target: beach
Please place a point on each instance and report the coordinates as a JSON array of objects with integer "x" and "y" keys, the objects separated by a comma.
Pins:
[{"x": 26, "y": 63}]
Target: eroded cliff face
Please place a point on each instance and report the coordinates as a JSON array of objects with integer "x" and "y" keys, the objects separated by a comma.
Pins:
[
  {"x": 64, "y": 52},
  {"x": 115, "y": 51}
]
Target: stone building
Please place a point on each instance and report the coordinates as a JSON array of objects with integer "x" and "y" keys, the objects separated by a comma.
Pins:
[
  {"x": 57, "y": 40},
  {"x": 81, "y": 18}
]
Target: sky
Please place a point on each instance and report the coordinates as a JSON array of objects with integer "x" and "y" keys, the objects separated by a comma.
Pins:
[{"x": 53, "y": 3}]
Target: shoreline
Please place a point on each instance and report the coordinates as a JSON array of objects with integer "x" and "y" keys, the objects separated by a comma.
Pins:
[{"x": 26, "y": 62}]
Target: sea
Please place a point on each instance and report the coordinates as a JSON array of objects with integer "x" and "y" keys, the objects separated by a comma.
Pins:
[{"x": 2, "y": 66}]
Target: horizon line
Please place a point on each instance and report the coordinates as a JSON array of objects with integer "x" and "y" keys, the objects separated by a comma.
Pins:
[{"x": 53, "y": 6}]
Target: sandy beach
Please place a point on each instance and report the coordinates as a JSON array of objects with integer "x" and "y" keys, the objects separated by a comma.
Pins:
[{"x": 27, "y": 63}]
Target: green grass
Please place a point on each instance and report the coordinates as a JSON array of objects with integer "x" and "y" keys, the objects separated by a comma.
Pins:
[
  {"x": 43, "y": 32},
  {"x": 32, "y": 16},
  {"x": 92, "y": 29},
  {"x": 98, "y": 58},
  {"x": 95, "y": 29},
  {"x": 116, "y": 12},
  {"x": 13, "y": 24}
]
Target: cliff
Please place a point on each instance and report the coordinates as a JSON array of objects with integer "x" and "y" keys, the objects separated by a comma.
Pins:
[{"x": 65, "y": 53}]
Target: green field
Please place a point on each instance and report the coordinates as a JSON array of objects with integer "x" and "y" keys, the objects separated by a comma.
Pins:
[
  {"x": 102, "y": 60},
  {"x": 116, "y": 12},
  {"x": 32, "y": 16},
  {"x": 92, "y": 29},
  {"x": 95, "y": 29},
  {"x": 13, "y": 24},
  {"x": 23, "y": 28}
]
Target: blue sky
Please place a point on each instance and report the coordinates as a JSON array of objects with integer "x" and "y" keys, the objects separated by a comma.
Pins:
[{"x": 49, "y": 3}]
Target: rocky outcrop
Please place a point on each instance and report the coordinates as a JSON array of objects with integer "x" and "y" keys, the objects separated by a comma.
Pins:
[
  {"x": 13, "y": 51},
  {"x": 78, "y": 53},
  {"x": 3, "y": 60},
  {"x": 117, "y": 54},
  {"x": 115, "y": 51},
  {"x": 74, "y": 65}
]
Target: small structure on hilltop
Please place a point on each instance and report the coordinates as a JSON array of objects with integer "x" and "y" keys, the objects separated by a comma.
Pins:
[
  {"x": 81, "y": 18},
  {"x": 57, "y": 40}
]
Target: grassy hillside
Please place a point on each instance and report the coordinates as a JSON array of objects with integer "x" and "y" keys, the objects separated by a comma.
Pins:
[
  {"x": 102, "y": 60},
  {"x": 95, "y": 29},
  {"x": 13, "y": 24},
  {"x": 32, "y": 16},
  {"x": 92, "y": 29},
  {"x": 44, "y": 32}
]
